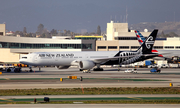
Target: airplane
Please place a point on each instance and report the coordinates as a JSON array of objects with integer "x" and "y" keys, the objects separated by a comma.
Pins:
[
  {"x": 168, "y": 53},
  {"x": 86, "y": 60}
]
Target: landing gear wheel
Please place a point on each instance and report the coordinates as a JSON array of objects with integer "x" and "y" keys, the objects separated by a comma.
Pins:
[
  {"x": 17, "y": 70},
  {"x": 86, "y": 71},
  {"x": 8, "y": 70}
]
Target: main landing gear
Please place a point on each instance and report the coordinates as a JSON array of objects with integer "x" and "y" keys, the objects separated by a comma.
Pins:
[
  {"x": 85, "y": 70},
  {"x": 98, "y": 68},
  {"x": 95, "y": 69}
]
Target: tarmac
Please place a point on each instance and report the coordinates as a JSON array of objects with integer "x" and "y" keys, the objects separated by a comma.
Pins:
[
  {"x": 110, "y": 77},
  {"x": 90, "y": 105}
]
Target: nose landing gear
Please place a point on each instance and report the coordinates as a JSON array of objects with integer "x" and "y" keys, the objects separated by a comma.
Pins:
[{"x": 30, "y": 69}]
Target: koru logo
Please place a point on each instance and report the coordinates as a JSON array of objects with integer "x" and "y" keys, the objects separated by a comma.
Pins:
[{"x": 149, "y": 42}]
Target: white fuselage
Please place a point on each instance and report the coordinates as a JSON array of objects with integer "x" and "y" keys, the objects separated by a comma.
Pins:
[
  {"x": 73, "y": 58},
  {"x": 63, "y": 58}
]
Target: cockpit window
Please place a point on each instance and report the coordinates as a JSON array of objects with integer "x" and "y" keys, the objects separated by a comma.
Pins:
[{"x": 24, "y": 57}]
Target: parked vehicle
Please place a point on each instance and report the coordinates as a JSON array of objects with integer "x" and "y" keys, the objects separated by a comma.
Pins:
[
  {"x": 155, "y": 70},
  {"x": 148, "y": 62},
  {"x": 130, "y": 71},
  {"x": 164, "y": 65},
  {"x": 174, "y": 65}
]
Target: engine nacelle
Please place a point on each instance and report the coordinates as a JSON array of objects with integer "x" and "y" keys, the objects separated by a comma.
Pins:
[
  {"x": 86, "y": 64},
  {"x": 62, "y": 67}
]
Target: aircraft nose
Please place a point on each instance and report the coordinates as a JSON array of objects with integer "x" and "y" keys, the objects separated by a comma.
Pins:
[{"x": 23, "y": 60}]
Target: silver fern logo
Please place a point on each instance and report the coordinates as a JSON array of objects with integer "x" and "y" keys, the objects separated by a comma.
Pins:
[{"x": 149, "y": 42}]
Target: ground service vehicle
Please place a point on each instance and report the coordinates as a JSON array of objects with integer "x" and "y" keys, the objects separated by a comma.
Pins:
[
  {"x": 155, "y": 70},
  {"x": 13, "y": 69}
]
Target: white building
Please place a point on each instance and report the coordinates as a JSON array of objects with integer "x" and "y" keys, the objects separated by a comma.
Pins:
[{"x": 120, "y": 30}]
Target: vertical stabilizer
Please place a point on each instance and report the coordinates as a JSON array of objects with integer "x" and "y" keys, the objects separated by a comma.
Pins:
[
  {"x": 140, "y": 37},
  {"x": 147, "y": 45}
]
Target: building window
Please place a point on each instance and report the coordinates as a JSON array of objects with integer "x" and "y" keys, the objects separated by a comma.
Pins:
[
  {"x": 78, "y": 46},
  {"x": 13, "y": 45},
  {"x": 45, "y": 46},
  {"x": 125, "y": 38},
  {"x": 177, "y": 47},
  {"x": 169, "y": 47},
  {"x": 24, "y": 45},
  {"x": 158, "y": 47},
  {"x": 101, "y": 47},
  {"x": 4, "y": 44},
  {"x": 86, "y": 46},
  {"x": 134, "y": 47},
  {"x": 1, "y": 33},
  {"x": 124, "y": 47},
  {"x": 112, "y": 47}
]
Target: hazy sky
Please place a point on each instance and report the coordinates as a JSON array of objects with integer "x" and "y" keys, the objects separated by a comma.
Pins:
[{"x": 75, "y": 15}]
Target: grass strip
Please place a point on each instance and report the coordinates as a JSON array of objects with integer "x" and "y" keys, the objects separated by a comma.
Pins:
[
  {"x": 91, "y": 91},
  {"x": 164, "y": 101}
]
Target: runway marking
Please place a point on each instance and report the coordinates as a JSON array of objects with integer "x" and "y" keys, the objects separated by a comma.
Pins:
[{"x": 82, "y": 88}]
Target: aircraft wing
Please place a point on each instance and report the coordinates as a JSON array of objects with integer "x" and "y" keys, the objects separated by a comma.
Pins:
[
  {"x": 155, "y": 54},
  {"x": 103, "y": 60}
]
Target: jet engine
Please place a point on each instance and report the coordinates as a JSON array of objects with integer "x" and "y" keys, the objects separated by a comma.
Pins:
[
  {"x": 62, "y": 67},
  {"x": 86, "y": 64}
]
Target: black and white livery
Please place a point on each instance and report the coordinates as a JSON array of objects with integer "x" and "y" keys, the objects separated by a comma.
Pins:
[{"x": 87, "y": 60}]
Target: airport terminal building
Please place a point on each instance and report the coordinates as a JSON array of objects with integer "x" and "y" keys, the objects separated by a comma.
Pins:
[
  {"x": 12, "y": 47},
  {"x": 118, "y": 37}
]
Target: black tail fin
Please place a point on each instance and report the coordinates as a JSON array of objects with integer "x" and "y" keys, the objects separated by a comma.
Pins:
[{"x": 147, "y": 46}]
